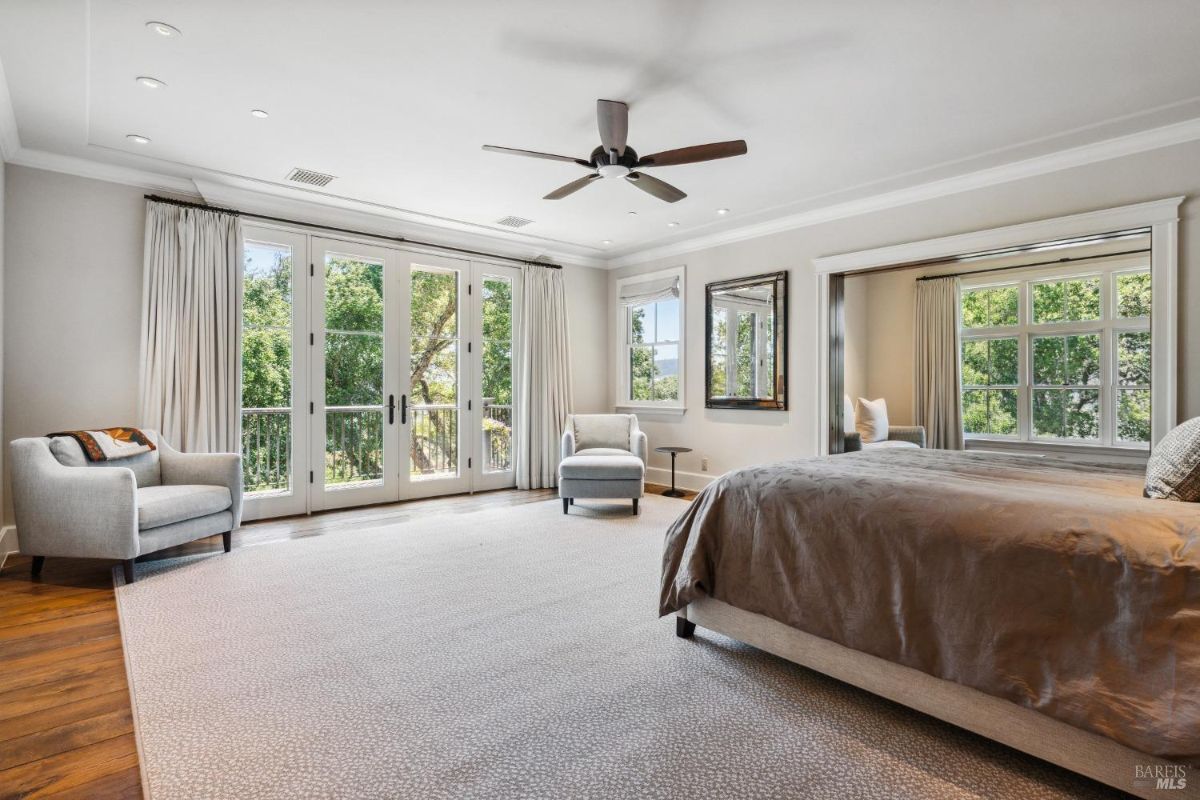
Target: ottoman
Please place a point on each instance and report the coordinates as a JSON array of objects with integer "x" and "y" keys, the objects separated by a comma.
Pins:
[{"x": 600, "y": 476}]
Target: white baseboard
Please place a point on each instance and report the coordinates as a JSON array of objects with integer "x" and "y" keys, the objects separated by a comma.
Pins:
[
  {"x": 684, "y": 480},
  {"x": 8, "y": 543}
]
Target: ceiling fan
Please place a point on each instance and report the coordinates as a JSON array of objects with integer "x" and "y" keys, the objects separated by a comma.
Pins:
[{"x": 614, "y": 159}]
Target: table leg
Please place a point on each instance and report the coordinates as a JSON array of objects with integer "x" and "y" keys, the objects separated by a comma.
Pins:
[{"x": 672, "y": 492}]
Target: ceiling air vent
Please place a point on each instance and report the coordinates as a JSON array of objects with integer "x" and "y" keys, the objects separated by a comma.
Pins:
[
  {"x": 312, "y": 178},
  {"x": 513, "y": 222}
]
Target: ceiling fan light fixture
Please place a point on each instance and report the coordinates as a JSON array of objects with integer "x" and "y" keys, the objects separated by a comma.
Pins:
[
  {"x": 258, "y": 113},
  {"x": 150, "y": 83},
  {"x": 163, "y": 29},
  {"x": 137, "y": 138},
  {"x": 613, "y": 170}
]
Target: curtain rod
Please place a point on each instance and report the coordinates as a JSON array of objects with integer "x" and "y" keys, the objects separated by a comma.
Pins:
[
  {"x": 1034, "y": 264},
  {"x": 400, "y": 239}
]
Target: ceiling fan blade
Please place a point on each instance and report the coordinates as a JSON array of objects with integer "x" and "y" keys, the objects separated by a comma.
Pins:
[
  {"x": 571, "y": 188},
  {"x": 612, "y": 117},
  {"x": 512, "y": 151},
  {"x": 660, "y": 189},
  {"x": 691, "y": 155}
]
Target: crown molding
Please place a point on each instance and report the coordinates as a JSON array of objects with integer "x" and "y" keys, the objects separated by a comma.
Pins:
[
  {"x": 10, "y": 139},
  {"x": 1090, "y": 223},
  {"x": 96, "y": 170},
  {"x": 371, "y": 218},
  {"x": 1131, "y": 144}
]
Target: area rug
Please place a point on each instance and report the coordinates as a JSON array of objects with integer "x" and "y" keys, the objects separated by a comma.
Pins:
[{"x": 503, "y": 653}]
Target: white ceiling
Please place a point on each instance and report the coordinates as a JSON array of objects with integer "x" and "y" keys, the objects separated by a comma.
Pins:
[{"x": 837, "y": 100}]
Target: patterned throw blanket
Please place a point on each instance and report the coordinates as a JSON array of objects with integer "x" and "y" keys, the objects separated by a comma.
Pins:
[{"x": 108, "y": 444}]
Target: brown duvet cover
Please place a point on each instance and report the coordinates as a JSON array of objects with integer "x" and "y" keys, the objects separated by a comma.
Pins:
[{"x": 1058, "y": 587}]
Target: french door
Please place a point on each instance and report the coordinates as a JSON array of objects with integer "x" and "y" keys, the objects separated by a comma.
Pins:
[{"x": 397, "y": 379}]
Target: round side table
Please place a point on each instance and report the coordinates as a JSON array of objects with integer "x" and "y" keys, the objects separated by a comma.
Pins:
[{"x": 674, "y": 451}]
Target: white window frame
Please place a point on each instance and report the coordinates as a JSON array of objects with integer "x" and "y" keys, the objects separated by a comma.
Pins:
[
  {"x": 624, "y": 345},
  {"x": 1026, "y": 330}
]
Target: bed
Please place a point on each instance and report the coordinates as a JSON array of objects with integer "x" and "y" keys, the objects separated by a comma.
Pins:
[{"x": 1048, "y": 606}]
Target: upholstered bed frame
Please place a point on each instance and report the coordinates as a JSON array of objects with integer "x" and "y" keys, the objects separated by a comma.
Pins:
[{"x": 1020, "y": 728}]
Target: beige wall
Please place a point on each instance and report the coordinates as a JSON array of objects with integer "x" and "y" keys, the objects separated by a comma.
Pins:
[
  {"x": 72, "y": 307},
  {"x": 732, "y": 439}
]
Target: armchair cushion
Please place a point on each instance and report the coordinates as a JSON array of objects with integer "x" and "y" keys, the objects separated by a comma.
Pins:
[
  {"x": 602, "y": 451},
  {"x": 603, "y": 468},
  {"x": 145, "y": 466},
  {"x": 603, "y": 430},
  {"x": 164, "y": 505}
]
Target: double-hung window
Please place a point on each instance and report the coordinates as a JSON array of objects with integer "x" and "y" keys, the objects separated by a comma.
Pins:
[
  {"x": 651, "y": 314},
  {"x": 1058, "y": 357}
]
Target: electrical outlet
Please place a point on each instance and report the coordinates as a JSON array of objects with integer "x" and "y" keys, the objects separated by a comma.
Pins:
[{"x": 704, "y": 465}]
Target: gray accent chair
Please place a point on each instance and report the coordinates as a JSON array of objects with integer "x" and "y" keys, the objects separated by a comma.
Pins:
[
  {"x": 603, "y": 456},
  {"x": 69, "y": 507},
  {"x": 898, "y": 436}
]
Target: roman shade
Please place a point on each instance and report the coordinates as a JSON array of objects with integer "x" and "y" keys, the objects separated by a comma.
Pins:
[{"x": 637, "y": 294}]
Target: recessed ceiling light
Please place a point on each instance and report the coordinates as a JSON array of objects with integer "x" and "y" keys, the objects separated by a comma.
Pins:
[
  {"x": 607, "y": 241},
  {"x": 163, "y": 29},
  {"x": 722, "y": 210},
  {"x": 150, "y": 83},
  {"x": 137, "y": 137},
  {"x": 672, "y": 224},
  {"x": 258, "y": 112}
]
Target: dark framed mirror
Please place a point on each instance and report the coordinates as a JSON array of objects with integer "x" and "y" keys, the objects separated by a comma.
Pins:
[{"x": 745, "y": 342}]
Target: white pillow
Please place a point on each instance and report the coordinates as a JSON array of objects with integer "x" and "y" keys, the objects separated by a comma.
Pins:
[
  {"x": 871, "y": 420},
  {"x": 848, "y": 425}
]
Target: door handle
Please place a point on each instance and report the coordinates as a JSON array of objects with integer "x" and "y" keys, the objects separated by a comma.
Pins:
[
  {"x": 403, "y": 409},
  {"x": 391, "y": 407}
]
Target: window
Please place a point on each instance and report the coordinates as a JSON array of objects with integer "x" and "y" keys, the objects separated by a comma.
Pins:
[
  {"x": 651, "y": 321},
  {"x": 1059, "y": 358}
]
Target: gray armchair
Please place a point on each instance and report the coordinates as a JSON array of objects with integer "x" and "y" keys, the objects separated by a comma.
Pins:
[
  {"x": 898, "y": 436},
  {"x": 68, "y": 507},
  {"x": 603, "y": 456}
]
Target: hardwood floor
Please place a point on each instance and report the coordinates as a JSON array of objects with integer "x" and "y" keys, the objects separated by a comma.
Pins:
[{"x": 66, "y": 726}]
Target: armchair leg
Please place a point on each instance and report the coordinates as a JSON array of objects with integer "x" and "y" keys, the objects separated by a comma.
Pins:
[
  {"x": 227, "y": 540},
  {"x": 635, "y": 502},
  {"x": 127, "y": 564},
  {"x": 566, "y": 504},
  {"x": 683, "y": 628},
  {"x": 38, "y": 563}
]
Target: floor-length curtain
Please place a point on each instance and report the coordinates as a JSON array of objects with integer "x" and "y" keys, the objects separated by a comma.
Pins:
[
  {"x": 544, "y": 389},
  {"x": 191, "y": 326},
  {"x": 939, "y": 401}
]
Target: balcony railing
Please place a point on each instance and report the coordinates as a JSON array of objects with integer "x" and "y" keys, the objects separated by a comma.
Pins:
[
  {"x": 434, "y": 437},
  {"x": 497, "y": 437},
  {"x": 354, "y": 444},
  {"x": 266, "y": 449}
]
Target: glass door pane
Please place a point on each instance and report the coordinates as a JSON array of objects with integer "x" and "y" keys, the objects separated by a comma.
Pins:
[
  {"x": 274, "y": 439},
  {"x": 496, "y": 372},
  {"x": 495, "y": 322},
  {"x": 435, "y": 375},
  {"x": 357, "y": 463}
]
